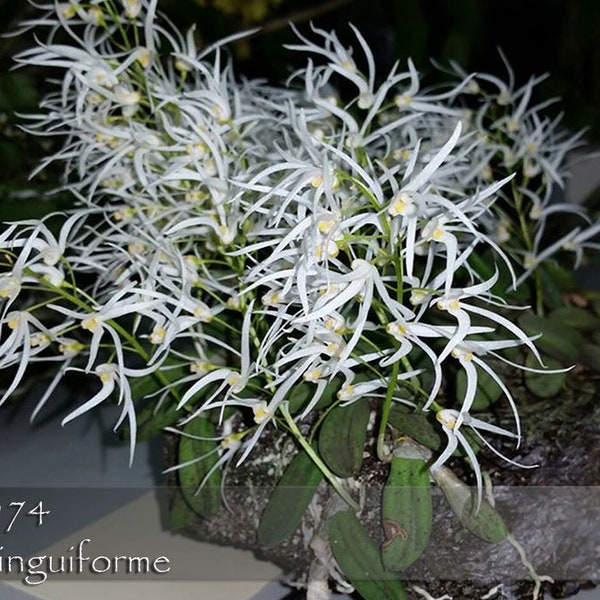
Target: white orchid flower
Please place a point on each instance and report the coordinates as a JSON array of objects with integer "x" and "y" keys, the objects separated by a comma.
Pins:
[
  {"x": 232, "y": 381},
  {"x": 451, "y": 422},
  {"x": 454, "y": 304},
  {"x": 125, "y": 302},
  {"x": 28, "y": 337},
  {"x": 112, "y": 376}
]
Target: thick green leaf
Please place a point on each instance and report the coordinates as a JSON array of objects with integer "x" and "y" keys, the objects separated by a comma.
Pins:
[
  {"x": 423, "y": 428},
  {"x": 180, "y": 513},
  {"x": 486, "y": 522},
  {"x": 359, "y": 559},
  {"x": 201, "y": 493},
  {"x": 579, "y": 318},
  {"x": 342, "y": 437},
  {"x": 419, "y": 427},
  {"x": 564, "y": 279},
  {"x": 406, "y": 512},
  {"x": 289, "y": 500},
  {"x": 590, "y": 356},
  {"x": 557, "y": 340},
  {"x": 152, "y": 423},
  {"x": 544, "y": 385},
  {"x": 304, "y": 393},
  {"x": 555, "y": 282}
]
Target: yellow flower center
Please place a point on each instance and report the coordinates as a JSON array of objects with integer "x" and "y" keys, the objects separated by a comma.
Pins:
[
  {"x": 158, "y": 335},
  {"x": 68, "y": 12},
  {"x": 417, "y": 297},
  {"x": 39, "y": 339},
  {"x": 234, "y": 379},
  {"x": 438, "y": 233},
  {"x": 232, "y": 440},
  {"x": 13, "y": 320},
  {"x": 233, "y": 303},
  {"x": 9, "y": 288},
  {"x": 346, "y": 392},
  {"x": 200, "y": 367},
  {"x": 402, "y": 204},
  {"x": 403, "y": 100},
  {"x": 202, "y": 312},
  {"x": 271, "y": 298},
  {"x": 529, "y": 261},
  {"x": 465, "y": 355},
  {"x": 136, "y": 248},
  {"x": 106, "y": 377},
  {"x": 326, "y": 226},
  {"x": 313, "y": 375},
  {"x": 336, "y": 324},
  {"x": 396, "y": 329},
  {"x": 446, "y": 419},
  {"x": 182, "y": 65},
  {"x": 261, "y": 413},
  {"x": 444, "y": 304},
  {"x": 512, "y": 125},
  {"x": 401, "y": 155},
  {"x": 70, "y": 348},
  {"x": 91, "y": 323},
  {"x": 144, "y": 57}
]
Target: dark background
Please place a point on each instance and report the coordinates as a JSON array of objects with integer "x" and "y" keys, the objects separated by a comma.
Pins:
[{"x": 561, "y": 37}]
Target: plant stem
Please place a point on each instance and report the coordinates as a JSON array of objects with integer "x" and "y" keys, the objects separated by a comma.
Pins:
[
  {"x": 335, "y": 482},
  {"x": 385, "y": 413}
]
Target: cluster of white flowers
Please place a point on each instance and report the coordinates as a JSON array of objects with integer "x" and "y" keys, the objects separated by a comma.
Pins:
[{"x": 267, "y": 244}]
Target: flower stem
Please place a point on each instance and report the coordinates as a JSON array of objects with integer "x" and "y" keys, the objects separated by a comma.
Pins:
[
  {"x": 385, "y": 414},
  {"x": 335, "y": 482}
]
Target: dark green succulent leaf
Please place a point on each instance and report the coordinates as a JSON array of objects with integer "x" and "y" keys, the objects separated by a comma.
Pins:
[
  {"x": 359, "y": 559},
  {"x": 573, "y": 316},
  {"x": 563, "y": 279},
  {"x": 342, "y": 437},
  {"x": 557, "y": 340},
  {"x": 423, "y": 428},
  {"x": 152, "y": 422},
  {"x": 555, "y": 282},
  {"x": 202, "y": 493},
  {"x": 485, "y": 522},
  {"x": 406, "y": 512},
  {"x": 419, "y": 426},
  {"x": 304, "y": 392},
  {"x": 180, "y": 513},
  {"x": 590, "y": 356},
  {"x": 544, "y": 385},
  {"x": 289, "y": 500},
  {"x": 594, "y": 302}
]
